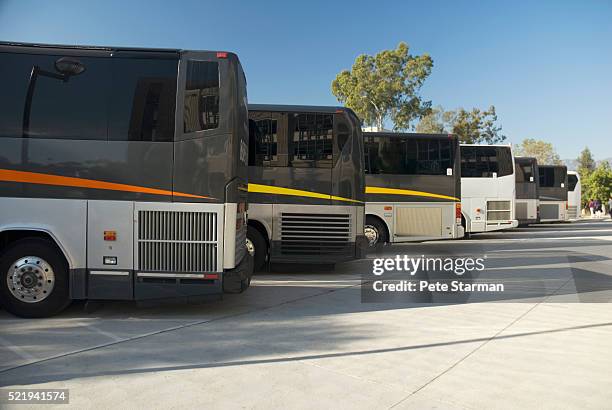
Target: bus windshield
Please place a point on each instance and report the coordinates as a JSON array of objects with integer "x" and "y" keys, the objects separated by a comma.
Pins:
[
  {"x": 408, "y": 156},
  {"x": 483, "y": 161}
]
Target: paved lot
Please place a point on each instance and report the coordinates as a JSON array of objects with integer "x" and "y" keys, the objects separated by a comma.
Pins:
[{"x": 305, "y": 340}]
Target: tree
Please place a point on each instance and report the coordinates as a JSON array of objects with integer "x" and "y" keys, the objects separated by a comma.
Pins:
[
  {"x": 586, "y": 163},
  {"x": 543, "y": 151},
  {"x": 472, "y": 127},
  {"x": 598, "y": 185},
  {"x": 385, "y": 87}
]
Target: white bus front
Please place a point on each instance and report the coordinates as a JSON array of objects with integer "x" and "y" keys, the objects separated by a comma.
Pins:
[{"x": 487, "y": 188}]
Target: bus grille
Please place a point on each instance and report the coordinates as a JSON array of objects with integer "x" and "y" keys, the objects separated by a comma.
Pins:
[
  {"x": 314, "y": 234},
  {"x": 170, "y": 241},
  {"x": 499, "y": 211}
]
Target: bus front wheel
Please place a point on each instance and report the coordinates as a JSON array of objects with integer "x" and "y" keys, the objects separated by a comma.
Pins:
[
  {"x": 257, "y": 246},
  {"x": 375, "y": 231},
  {"x": 34, "y": 279}
]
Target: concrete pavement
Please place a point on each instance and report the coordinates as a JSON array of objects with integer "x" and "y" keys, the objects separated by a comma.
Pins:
[{"x": 303, "y": 339}]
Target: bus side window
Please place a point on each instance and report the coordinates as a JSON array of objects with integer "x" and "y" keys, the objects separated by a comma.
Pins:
[
  {"x": 71, "y": 108},
  {"x": 143, "y": 99},
  {"x": 201, "y": 96},
  {"x": 311, "y": 140}
]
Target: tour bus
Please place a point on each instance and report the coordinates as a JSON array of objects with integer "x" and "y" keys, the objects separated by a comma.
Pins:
[
  {"x": 123, "y": 175},
  {"x": 527, "y": 199},
  {"x": 488, "y": 188},
  {"x": 413, "y": 187},
  {"x": 553, "y": 193},
  {"x": 306, "y": 185},
  {"x": 574, "y": 195}
]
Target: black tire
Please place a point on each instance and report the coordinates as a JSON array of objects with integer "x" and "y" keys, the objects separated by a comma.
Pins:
[
  {"x": 58, "y": 298},
  {"x": 379, "y": 226},
  {"x": 261, "y": 248}
]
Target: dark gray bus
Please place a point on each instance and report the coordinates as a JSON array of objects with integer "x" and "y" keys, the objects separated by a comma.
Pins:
[
  {"x": 123, "y": 175},
  {"x": 413, "y": 187},
  {"x": 306, "y": 184},
  {"x": 527, "y": 195},
  {"x": 553, "y": 193}
]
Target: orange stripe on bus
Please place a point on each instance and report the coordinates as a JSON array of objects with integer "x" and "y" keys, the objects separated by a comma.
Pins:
[{"x": 57, "y": 180}]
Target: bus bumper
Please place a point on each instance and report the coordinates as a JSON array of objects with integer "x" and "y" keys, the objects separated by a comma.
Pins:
[{"x": 237, "y": 280}]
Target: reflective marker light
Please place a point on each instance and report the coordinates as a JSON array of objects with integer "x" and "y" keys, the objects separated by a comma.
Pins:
[
  {"x": 211, "y": 276},
  {"x": 110, "y": 260},
  {"x": 110, "y": 235},
  {"x": 388, "y": 208}
]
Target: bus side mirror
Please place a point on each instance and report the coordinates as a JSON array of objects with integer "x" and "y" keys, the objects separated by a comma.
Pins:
[{"x": 530, "y": 179}]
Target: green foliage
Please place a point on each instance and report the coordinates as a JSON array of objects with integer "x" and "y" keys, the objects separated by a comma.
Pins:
[
  {"x": 586, "y": 163},
  {"x": 385, "y": 86},
  {"x": 543, "y": 151},
  {"x": 598, "y": 185},
  {"x": 472, "y": 127}
]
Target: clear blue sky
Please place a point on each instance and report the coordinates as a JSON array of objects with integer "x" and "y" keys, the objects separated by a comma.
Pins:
[{"x": 545, "y": 65}]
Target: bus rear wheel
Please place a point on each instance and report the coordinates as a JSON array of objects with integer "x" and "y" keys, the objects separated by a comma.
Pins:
[
  {"x": 33, "y": 279},
  {"x": 257, "y": 246},
  {"x": 375, "y": 231}
]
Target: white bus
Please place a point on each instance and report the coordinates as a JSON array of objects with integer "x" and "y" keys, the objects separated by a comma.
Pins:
[
  {"x": 488, "y": 188},
  {"x": 574, "y": 195}
]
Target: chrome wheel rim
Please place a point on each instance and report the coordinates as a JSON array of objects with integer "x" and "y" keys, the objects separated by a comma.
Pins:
[
  {"x": 250, "y": 247},
  {"x": 30, "y": 279},
  {"x": 371, "y": 233}
]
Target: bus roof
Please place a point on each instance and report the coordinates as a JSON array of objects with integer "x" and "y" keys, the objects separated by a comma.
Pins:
[
  {"x": 8, "y": 46},
  {"x": 553, "y": 166},
  {"x": 526, "y": 160},
  {"x": 408, "y": 135},
  {"x": 297, "y": 108}
]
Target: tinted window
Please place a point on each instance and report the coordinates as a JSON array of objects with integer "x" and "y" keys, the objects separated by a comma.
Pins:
[
  {"x": 524, "y": 172},
  {"x": 312, "y": 136},
  {"x": 552, "y": 177},
  {"x": 201, "y": 96},
  {"x": 72, "y": 108},
  {"x": 143, "y": 100},
  {"x": 407, "y": 156},
  {"x": 484, "y": 161},
  {"x": 263, "y": 149},
  {"x": 572, "y": 181}
]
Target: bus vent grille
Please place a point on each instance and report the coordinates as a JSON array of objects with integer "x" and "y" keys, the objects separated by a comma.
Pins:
[
  {"x": 499, "y": 211},
  {"x": 170, "y": 241},
  {"x": 314, "y": 234},
  {"x": 572, "y": 212}
]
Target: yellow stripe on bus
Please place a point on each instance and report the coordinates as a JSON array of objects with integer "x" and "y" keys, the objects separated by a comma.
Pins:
[
  {"x": 268, "y": 189},
  {"x": 395, "y": 191}
]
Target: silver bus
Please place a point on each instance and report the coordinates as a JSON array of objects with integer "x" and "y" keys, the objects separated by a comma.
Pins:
[
  {"x": 527, "y": 195},
  {"x": 413, "y": 187},
  {"x": 306, "y": 185},
  {"x": 123, "y": 175},
  {"x": 553, "y": 193}
]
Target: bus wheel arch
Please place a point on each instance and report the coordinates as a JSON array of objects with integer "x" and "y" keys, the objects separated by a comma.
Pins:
[
  {"x": 375, "y": 230},
  {"x": 258, "y": 243},
  {"x": 464, "y": 223},
  {"x": 34, "y": 277}
]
